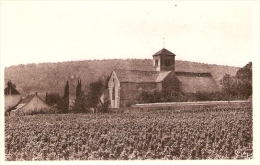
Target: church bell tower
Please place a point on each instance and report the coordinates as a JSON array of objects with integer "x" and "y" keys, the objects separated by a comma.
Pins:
[{"x": 164, "y": 60}]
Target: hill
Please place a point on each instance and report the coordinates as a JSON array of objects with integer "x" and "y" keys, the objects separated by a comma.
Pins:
[{"x": 51, "y": 77}]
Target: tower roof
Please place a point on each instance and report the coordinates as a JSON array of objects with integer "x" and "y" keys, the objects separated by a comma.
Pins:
[{"x": 164, "y": 52}]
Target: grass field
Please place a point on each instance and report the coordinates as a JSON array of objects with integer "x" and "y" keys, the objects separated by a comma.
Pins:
[{"x": 224, "y": 133}]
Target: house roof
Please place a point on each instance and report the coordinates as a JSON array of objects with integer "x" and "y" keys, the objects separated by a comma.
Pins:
[
  {"x": 164, "y": 52},
  {"x": 26, "y": 100},
  {"x": 11, "y": 90},
  {"x": 162, "y": 75},
  {"x": 138, "y": 76},
  {"x": 197, "y": 82}
]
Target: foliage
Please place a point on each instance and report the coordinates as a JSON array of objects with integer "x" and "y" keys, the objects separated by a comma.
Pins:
[
  {"x": 65, "y": 101},
  {"x": 8, "y": 111},
  {"x": 105, "y": 82},
  {"x": 245, "y": 72},
  {"x": 80, "y": 104},
  {"x": 216, "y": 96},
  {"x": 53, "y": 99},
  {"x": 94, "y": 93},
  {"x": 244, "y": 75},
  {"x": 80, "y": 101},
  {"x": 230, "y": 87},
  {"x": 239, "y": 86},
  {"x": 221, "y": 133},
  {"x": 37, "y": 112},
  {"x": 158, "y": 96},
  {"x": 50, "y": 76},
  {"x": 104, "y": 106},
  {"x": 78, "y": 89},
  {"x": 166, "y": 96}
]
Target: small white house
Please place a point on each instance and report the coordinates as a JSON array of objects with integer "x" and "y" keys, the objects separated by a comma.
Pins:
[{"x": 30, "y": 104}]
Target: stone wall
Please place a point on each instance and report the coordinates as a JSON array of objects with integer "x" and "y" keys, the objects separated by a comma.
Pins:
[
  {"x": 130, "y": 92},
  {"x": 171, "y": 83}
]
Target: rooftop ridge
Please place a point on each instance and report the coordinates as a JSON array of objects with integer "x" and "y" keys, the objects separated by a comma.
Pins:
[
  {"x": 140, "y": 70},
  {"x": 194, "y": 74},
  {"x": 164, "y": 52}
]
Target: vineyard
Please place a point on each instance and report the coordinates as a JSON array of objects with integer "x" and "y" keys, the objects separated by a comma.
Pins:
[{"x": 220, "y": 133}]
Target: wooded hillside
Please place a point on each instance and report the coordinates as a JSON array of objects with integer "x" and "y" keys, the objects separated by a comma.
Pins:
[{"x": 52, "y": 77}]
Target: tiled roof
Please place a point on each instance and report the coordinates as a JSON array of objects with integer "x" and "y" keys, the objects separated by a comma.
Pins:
[
  {"x": 27, "y": 99},
  {"x": 138, "y": 76},
  {"x": 197, "y": 82},
  {"x": 164, "y": 52},
  {"x": 190, "y": 82},
  {"x": 162, "y": 75},
  {"x": 24, "y": 102},
  {"x": 19, "y": 106}
]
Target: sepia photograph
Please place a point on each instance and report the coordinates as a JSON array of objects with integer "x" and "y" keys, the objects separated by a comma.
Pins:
[{"x": 129, "y": 82}]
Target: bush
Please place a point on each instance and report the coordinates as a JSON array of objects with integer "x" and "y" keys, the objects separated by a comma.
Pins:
[
  {"x": 158, "y": 96},
  {"x": 80, "y": 104},
  {"x": 94, "y": 92},
  {"x": 104, "y": 107}
]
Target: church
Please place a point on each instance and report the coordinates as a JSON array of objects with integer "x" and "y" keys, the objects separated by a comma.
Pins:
[{"x": 125, "y": 86}]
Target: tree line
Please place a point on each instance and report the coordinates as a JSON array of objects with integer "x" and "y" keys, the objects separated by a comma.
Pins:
[
  {"x": 51, "y": 77},
  {"x": 233, "y": 88},
  {"x": 83, "y": 100},
  {"x": 238, "y": 86}
]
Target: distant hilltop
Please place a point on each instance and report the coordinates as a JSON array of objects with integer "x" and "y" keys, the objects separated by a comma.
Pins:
[{"x": 51, "y": 77}]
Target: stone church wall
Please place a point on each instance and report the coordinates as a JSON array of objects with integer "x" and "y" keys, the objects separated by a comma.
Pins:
[{"x": 130, "y": 92}]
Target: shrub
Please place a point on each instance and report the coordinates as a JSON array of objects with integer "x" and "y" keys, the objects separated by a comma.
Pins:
[
  {"x": 105, "y": 106},
  {"x": 158, "y": 96}
]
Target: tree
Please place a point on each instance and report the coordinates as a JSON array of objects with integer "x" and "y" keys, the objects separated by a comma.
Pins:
[
  {"x": 244, "y": 76},
  {"x": 65, "y": 104},
  {"x": 105, "y": 82},
  {"x": 158, "y": 96},
  {"x": 78, "y": 89},
  {"x": 104, "y": 106},
  {"x": 94, "y": 93},
  {"x": 80, "y": 101},
  {"x": 53, "y": 99},
  {"x": 239, "y": 86},
  {"x": 229, "y": 87}
]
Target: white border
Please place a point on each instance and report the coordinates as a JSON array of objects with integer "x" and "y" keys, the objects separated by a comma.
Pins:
[{"x": 255, "y": 160}]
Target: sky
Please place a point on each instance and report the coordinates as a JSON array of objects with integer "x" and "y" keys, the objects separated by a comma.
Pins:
[{"x": 56, "y": 31}]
